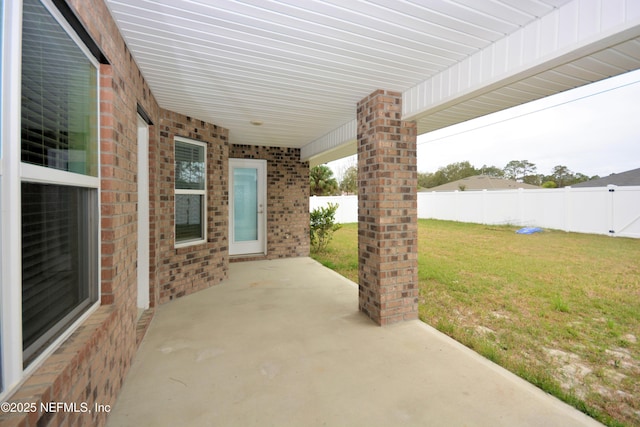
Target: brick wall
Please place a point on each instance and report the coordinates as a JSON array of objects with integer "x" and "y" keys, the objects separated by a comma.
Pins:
[
  {"x": 287, "y": 199},
  {"x": 83, "y": 370},
  {"x": 182, "y": 271},
  {"x": 90, "y": 366},
  {"x": 387, "y": 210}
]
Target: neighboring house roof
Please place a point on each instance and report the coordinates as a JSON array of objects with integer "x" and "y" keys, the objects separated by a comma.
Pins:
[
  {"x": 481, "y": 182},
  {"x": 627, "y": 178}
]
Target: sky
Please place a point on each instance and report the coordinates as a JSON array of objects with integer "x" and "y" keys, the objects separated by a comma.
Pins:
[{"x": 594, "y": 130}]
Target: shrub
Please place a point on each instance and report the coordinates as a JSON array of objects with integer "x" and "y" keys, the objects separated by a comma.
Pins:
[{"x": 323, "y": 226}]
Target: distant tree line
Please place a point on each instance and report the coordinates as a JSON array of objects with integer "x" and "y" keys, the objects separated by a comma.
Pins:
[
  {"x": 516, "y": 170},
  {"x": 324, "y": 183}
]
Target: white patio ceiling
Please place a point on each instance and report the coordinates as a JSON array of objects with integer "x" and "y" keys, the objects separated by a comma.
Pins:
[{"x": 300, "y": 66}]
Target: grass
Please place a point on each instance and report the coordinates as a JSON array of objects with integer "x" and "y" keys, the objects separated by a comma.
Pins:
[{"x": 561, "y": 310}]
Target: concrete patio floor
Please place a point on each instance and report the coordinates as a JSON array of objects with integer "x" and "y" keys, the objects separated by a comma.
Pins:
[{"x": 281, "y": 343}]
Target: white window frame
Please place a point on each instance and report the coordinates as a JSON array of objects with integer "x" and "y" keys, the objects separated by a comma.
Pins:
[
  {"x": 203, "y": 193},
  {"x": 12, "y": 173}
]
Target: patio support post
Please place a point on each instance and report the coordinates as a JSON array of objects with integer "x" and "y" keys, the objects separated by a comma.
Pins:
[{"x": 387, "y": 210}]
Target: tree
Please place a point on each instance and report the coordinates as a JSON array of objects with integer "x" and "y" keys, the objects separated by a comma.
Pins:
[
  {"x": 460, "y": 170},
  {"x": 517, "y": 170},
  {"x": 427, "y": 180},
  {"x": 322, "y": 181},
  {"x": 580, "y": 177},
  {"x": 561, "y": 175},
  {"x": 536, "y": 179},
  {"x": 451, "y": 172},
  {"x": 454, "y": 172},
  {"x": 349, "y": 183},
  {"x": 492, "y": 171}
]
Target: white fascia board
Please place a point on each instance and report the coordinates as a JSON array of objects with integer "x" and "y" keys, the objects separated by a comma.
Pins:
[
  {"x": 575, "y": 30},
  {"x": 337, "y": 144}
]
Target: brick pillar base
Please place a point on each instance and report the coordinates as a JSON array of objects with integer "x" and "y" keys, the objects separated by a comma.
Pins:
[{"x": 387, "y": 210}]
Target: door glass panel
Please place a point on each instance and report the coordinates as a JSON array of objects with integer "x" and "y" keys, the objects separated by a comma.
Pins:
[{"x": 245, "y": 203}]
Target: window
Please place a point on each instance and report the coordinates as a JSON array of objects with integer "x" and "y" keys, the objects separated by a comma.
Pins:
[
  {"x": 59, "y": 259},
  {"x": 190, "y": 191},
  {"x": 59, "y": 182},
  {"x": 59, "y": 95},
  {"x": 49, "y": 182}
]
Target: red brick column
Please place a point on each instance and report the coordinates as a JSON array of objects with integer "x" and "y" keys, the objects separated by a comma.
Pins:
[{"x": 387, "y": 210}]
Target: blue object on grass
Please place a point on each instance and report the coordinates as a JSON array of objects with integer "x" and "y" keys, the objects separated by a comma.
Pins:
[{"x": 529, "y": 230}]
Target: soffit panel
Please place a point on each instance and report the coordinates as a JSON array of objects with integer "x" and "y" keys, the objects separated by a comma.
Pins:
[
  {"x": 609, "y": 62},
  {"x": 301, "y": 67}
]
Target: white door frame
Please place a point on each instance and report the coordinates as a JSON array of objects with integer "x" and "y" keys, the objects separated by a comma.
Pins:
[
  {"x": 143, "y": 214},
  {"x": 258, "y": 246}
]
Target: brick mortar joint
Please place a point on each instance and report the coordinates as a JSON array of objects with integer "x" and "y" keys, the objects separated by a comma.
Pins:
[{"x": 105, "y": 315}]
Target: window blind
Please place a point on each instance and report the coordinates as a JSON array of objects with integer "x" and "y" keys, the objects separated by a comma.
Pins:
[
  {"x": 190, "y": 173},
  {"x": 190, "y": 178},
  {"x": 59, "y": 97},
  {"x": 56, "y": 253},
  {"x": 59, "y": 222}
]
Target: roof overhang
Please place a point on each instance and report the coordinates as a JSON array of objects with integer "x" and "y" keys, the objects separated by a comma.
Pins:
[{"x": 300, "y": 68}]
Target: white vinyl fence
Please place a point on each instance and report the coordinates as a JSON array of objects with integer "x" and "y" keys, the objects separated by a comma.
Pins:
[
  {"x": 609, "y": 210},
  {"x": 347, "y": 207}
]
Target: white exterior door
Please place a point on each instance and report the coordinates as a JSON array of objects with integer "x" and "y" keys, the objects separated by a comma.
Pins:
[{"x": 247, "y": 206}]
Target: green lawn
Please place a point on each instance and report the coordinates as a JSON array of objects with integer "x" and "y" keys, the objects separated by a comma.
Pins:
[{"x": 561, "y": 310}]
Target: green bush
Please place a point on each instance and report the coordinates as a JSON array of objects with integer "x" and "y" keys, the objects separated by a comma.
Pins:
[{"x": 323, "y": 226}]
